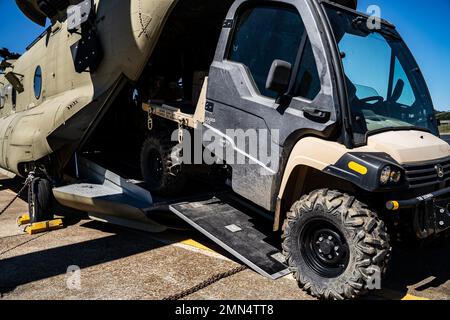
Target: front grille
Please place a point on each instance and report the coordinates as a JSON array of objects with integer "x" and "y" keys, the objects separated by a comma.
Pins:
[{"x": 424, "y": 175}]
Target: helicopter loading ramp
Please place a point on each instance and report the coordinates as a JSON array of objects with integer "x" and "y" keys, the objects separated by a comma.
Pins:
[{"x": 107, "y": 197}]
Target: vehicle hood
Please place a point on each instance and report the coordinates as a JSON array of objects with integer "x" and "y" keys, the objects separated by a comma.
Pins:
[{"x": 408, "y": 147}]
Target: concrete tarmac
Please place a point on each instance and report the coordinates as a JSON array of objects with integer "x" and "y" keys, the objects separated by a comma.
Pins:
[{"x": 119, "y": 263}]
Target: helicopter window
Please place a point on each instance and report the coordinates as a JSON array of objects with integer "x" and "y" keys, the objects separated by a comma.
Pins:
[{"x": 38, "y": 82}]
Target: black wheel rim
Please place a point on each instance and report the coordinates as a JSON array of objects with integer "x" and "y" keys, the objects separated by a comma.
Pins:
[
  {"x": 155, "y": 166},
  {"x": 324, "y": 248}
]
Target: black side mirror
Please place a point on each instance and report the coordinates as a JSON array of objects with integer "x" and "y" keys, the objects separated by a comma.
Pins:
[{"x": 279, "y": 77}]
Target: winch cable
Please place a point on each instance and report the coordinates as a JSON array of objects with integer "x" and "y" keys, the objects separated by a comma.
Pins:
[
  {"x": 25, "y": 186},
  {"x": 206, "y": 283}
]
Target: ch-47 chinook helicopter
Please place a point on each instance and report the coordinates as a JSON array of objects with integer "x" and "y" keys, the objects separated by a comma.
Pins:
[
  {"x": 54, "y": 95},
  {"x": 357, "y": 150}
]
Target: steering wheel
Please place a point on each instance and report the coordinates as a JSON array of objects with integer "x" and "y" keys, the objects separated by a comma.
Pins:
[{"x": 376, "y": 99}]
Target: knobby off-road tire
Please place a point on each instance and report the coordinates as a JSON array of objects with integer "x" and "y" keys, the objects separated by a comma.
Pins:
[
  {"x": 40, "y": 200},
  {"x": 342, "y": 267},
  {"x": 161, "y": 166}
]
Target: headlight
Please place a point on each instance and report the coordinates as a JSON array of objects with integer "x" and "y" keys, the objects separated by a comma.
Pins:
[
  {"x": 389, "y": 174},
  {"x": 396, "y": 176},
  {"x": 385, "y": 175}
]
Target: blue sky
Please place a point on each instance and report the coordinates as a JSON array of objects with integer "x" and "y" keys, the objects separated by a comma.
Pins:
[
  {"x": 425, "y": 26},
  {"x": 16, "y": 31}
]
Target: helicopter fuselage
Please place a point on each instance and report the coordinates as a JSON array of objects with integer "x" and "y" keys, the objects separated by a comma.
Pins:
[{"x": 60, "y": 100}]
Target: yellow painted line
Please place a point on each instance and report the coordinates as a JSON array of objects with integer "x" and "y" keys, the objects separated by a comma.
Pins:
[
  {"x": 412, "y": 297},
  {"x": 171, "y": 239},
  {"x": 195, "y": 244}
]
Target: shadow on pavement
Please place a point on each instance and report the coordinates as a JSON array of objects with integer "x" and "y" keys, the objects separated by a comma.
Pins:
[
  {"x": 412, "y": 266},
  {"x": 30, "y": 267}
]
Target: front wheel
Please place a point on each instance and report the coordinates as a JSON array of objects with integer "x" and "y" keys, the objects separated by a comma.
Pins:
[{"x": 336, "y": 246}]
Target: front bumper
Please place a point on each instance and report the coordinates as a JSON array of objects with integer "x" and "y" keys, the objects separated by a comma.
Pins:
[{"x": 431, "y": 212}]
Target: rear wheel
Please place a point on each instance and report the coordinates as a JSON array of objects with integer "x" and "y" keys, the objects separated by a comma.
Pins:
[
  {"x": 40, "y": 200},
  {"x": 336, "y": 247},
  {"x": 161, "y": 166}
]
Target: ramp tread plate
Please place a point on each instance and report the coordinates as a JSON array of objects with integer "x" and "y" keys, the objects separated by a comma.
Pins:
[{"x": 236, "y": 232}]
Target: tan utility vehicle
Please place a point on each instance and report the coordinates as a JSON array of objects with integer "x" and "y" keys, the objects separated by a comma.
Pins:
[{"x": 354, "y": 128}]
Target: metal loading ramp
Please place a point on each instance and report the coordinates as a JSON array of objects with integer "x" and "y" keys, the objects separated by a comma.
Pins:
[{"x": 236, "y": 232}]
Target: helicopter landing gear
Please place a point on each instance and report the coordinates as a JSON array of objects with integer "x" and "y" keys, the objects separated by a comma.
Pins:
[{"x": 40, "y": 200}]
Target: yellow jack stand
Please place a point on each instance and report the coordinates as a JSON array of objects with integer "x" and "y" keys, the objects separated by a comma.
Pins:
[{"x": 39, "y": 227}]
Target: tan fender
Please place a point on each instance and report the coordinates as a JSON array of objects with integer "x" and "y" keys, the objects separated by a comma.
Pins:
[{"x": 312, "y": 152}]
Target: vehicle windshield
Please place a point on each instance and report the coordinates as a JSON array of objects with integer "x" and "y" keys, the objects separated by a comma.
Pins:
[{"x": 386, "y": 89}]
